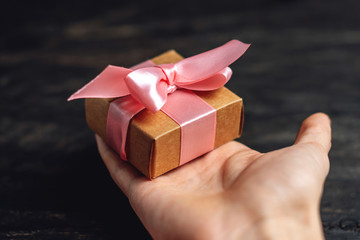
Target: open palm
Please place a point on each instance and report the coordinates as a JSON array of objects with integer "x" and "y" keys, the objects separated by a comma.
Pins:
[{"x": 234, "y": 192}]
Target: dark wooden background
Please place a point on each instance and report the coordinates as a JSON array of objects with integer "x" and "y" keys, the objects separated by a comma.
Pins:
[{"x": 304, "y": 58}]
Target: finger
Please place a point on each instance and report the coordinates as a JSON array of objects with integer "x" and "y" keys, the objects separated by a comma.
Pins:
[
  {"x": 316, "y": 129},
  {"x": 123, "y": 174}
]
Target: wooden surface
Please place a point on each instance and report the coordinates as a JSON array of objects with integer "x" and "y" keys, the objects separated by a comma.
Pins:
[{"x": 304, "y": 58}]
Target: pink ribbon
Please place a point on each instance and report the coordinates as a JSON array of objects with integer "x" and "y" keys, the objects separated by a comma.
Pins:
[
  {"x": 197, "y": 120},
  {"x": 154, "y": 87}
]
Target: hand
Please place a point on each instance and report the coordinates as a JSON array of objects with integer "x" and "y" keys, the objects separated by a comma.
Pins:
[{"x": 234, "y": 192}]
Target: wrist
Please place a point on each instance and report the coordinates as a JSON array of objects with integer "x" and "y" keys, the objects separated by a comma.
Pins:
[{"x": 285, "y": 227}]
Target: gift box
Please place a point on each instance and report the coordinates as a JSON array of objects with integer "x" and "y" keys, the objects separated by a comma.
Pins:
[{"x": 155, "y": 143}]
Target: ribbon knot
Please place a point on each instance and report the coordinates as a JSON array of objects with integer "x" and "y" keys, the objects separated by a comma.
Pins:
[
  {"x": 151, "y": 85},
  {"x": 171, "y": 89},
  {"x": 169, "y": 71}
]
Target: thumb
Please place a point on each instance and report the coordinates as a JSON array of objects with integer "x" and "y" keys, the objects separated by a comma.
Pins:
[
  {"x": 315, "y": 134},
  {"x": 316, "y": 129}
]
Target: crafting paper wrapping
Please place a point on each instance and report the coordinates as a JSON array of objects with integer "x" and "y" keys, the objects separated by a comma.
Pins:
[{"x": 153, "y": 141}]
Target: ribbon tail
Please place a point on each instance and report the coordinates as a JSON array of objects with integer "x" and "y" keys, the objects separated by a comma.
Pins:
[
  {"x": 204, "y": 65},
  {"x": 109, "y": 83}
]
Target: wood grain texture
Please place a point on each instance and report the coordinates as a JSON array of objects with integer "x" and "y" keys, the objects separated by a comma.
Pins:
[{"x": 304, "y": 58}]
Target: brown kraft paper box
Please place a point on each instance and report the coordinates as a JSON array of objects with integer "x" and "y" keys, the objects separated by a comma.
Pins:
[{"x": 153, "y": 140}]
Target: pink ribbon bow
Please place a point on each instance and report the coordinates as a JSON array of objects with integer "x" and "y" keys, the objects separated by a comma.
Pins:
[
  {"x": 151, "y": 85},
  {"x": 146, "y": 85}
]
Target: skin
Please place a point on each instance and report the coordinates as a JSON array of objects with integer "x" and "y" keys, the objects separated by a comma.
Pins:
[{"x": 234, "y": 192}]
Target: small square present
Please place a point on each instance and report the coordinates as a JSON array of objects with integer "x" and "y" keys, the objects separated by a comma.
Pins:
[{"x": 168, "y": 110}]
